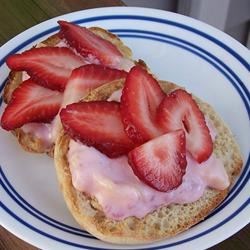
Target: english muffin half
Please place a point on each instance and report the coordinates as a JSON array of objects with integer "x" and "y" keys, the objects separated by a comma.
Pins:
[{"x": 165, "y": 221}]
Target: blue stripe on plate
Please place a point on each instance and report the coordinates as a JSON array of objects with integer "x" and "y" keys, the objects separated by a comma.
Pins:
[
  {"x": 37, "y": 214},
  {"x": 172, "y": 23},
  {"x": 236, "y": 212},
  {"x": 28, "y": 208},
  {"x": 118, "y": 31},
  {"x": 3, "y": 84},
  {"x": 243, "y": 62},
  {"x": 143, "y": 18},
  {"x": 208, "y": 60},
  {"x": 25, "y": 43}
]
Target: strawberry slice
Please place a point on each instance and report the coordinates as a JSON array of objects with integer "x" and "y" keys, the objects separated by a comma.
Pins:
[
  {"x": 97, "y": 124},
  {"x": 179, "y": 111},
  {"x": 47, "y": 66},
  {"x": 30, "y": 103},
  {"x": 161, "y": 162},
  {"x": 86, "y": 78},
  {"x": 140, "y": 99},
  {"x": 90, "y": 45}
]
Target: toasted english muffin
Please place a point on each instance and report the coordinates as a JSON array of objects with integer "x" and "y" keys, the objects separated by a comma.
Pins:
[
  {"x": 164, "y": 222},
  {"x": 28, "y": 141}
]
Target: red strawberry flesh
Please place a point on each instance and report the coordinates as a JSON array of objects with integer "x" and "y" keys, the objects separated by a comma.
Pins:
[
  {"x": 97, "y": 124},
  {"x": 140, "y": 99},
  {"x": 88, "y": 77},
  {"x": 30, "y": 103},
  {"x": 47, "y": 66},
  {"x": 179, "y": 111},
  {"x": 87, "y": 43},
  {"x": 161, "y": 162}
]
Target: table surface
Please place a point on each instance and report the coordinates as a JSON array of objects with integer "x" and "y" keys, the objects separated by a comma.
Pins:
[{"x": 15, "y": 17}]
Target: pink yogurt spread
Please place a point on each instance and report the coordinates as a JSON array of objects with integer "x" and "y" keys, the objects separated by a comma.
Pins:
[
  {"x": 121, "y": 194},
  {"x": 43, "y": 131}
]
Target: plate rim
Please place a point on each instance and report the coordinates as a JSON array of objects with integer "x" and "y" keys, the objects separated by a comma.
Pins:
[{"x": 50, "y": 20}]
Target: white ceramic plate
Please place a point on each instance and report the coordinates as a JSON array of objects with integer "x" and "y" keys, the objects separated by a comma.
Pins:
[{"x": 206, "y": 61}]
